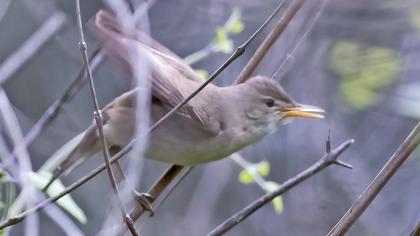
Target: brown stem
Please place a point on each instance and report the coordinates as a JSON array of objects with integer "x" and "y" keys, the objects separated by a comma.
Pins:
[
  {"x": 269, "y": 41},
  {"x": 387, "y": 171},
  {"x": 328, "y": 159},
  {"x": 416, "y": 230}
]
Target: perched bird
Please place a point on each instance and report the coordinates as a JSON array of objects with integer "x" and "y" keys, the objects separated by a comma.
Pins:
[{"x": 214, "y": 124}]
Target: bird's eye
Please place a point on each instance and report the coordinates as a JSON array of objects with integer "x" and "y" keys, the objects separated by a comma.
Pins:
[{"x": 269, "y": 102}]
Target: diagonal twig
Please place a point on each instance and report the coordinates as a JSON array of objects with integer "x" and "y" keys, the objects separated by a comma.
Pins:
[
  {"x": 325, "y": 161},
  {"x": 99, "y": 122},
  {"x": 269, "y": 41},
  {"x": 51, "y": 113},
  {"x": 416, "y": 230},
  {"x": 384, "y": 175},
  {"x": 31, "y": 46}
]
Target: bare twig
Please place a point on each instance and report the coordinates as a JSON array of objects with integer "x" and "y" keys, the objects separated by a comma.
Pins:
[
  {"x": 52, "y": 112},
  {"x": 99, "y": 122},
  {"x": 328, "y": 159},
  {"x": 309, "y": 27},
  {"x": 31, "y": 46},
  {"x": 269, "y": 41},
  {"x": 416, "y": 230},
  {"x": 387, "y": 171}
]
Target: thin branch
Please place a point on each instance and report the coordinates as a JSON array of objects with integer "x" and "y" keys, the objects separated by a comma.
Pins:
[
  {"x": 416, "y": 230},
  {"x": 290, "y": 54},
  {"x": 325, "y": 161},
  {"x": 269, "y": 41},
  {"x": 384, "y": 175},
  {"x": 99, "y": 122},
  {"x": 51, "y": 113},
  {"x": 31, "y": 46}
]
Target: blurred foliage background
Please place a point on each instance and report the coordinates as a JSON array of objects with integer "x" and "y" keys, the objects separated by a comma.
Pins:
[{"x": 359, "y": 62}]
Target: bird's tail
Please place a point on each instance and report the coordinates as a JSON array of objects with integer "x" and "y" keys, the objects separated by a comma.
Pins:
[{"x": 72, "y": 154}]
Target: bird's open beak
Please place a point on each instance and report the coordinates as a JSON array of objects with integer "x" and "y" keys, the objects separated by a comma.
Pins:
[{"x": 303, "y": 111}]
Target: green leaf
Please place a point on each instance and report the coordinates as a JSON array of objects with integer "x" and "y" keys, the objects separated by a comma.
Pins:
[
  {"x": 363, "y": 71},
  {"x": 263, "y": 168},
  {"x": 235, "y": 25},
  {"x": 381, "y": 67},
  {"x": 66, "y": 202},
  {"x": 270, "y": 187},
  {"x": 358, "y": 96},
  {"x": 343, "y": 59},
  {"x": 278, "y": 204},
  {"x": 245, "y": 177},
  {"x": 223, "y": 43},
  {"x": 202, "y": 73},
  {"x": 415, "y": 19}
]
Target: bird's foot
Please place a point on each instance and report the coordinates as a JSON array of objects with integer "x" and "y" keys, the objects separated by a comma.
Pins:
[{"x": 145, "y": 200}]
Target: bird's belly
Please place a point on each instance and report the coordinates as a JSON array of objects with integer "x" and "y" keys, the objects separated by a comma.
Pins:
[
  {"x": 185, "y": 144},
  {"x": 176, "y": 150}
]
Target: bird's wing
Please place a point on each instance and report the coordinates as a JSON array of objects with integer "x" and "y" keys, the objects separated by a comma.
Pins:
[{"x": 172, "y": 80}]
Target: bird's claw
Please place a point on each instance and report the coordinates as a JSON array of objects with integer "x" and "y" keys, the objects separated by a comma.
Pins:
[{"x": 145, "y": 200}]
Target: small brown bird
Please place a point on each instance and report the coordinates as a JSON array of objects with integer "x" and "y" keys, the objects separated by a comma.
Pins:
[{"x": 214, "y": 124}]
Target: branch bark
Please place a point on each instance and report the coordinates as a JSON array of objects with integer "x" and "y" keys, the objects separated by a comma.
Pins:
[
  {"x": 384, "y": 175},
  {"x": 330, "y": 157},
  {"x": 416, "y": 230}
]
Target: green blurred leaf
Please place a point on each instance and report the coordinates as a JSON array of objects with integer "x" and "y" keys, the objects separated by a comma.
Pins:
[
  {"x": 235, "y": 25},
  {"x": 66, "y": 202},
  {"x": 245, "y": 177},
  {"x": 358, "y": 96},
  {"x": 363, "y": 71},
  {"x": 415, "y": 19},
  {"x": 263, "y": 168},
  {"x": 381, "y": 68},
  {"x": 270, "y": 187},
  {"x": 342, "y": 59},
  {"x": 202, "y": 73},
  {"x": 223, "y": 43},
  {"x": 278, "y": 204}
]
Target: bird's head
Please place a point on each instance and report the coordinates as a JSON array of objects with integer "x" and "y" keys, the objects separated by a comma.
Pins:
[{"x": 268, "y": 105}]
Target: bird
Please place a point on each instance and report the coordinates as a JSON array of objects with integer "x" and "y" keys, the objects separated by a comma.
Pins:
[{"x": 217, "y": 122}]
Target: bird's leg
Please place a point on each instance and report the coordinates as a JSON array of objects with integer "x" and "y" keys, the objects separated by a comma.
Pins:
[{"x": 144, "y": 199}]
